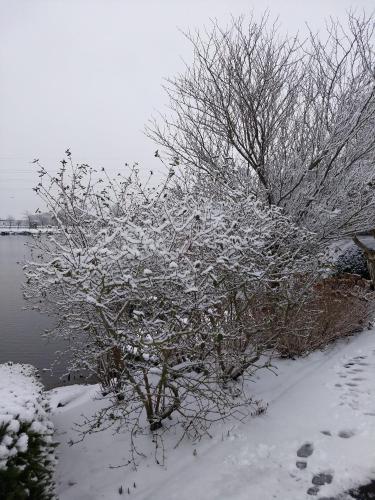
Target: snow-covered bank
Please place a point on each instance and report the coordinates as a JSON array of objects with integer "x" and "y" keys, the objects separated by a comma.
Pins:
[
  {"x": 326, "y": 400},
  {"x": 25, "y": 231},
  {"x": 26, "y": 448}
]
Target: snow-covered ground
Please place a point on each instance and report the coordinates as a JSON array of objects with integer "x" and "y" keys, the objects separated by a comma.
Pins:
[
  {"x": 322, "y": 407},
  {"x": 26, "y": 230}
]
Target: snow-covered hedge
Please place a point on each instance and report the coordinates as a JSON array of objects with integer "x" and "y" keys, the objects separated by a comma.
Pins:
[
  {"x": 26, "y": 446},
  {"x": 352, "y": 261}
]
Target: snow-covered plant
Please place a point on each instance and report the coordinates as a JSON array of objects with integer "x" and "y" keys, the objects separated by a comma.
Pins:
[
  {"x": 289, "y": 120},
  {"x": 26, "y": 448},
  {"x": 157, "y": 292},
  {"x": 352, "y": 261}
]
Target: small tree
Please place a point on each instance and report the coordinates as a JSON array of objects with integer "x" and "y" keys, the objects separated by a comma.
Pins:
[
  {"x": 156, "y": 298},
  {"x": 30, "y": 220}
]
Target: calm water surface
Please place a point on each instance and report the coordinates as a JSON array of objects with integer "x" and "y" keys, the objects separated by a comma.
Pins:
[{"x": 20, "y": 330}]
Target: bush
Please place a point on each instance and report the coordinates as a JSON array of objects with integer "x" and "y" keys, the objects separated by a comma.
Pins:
[
  {"x": 26, "y": 448},
  {"x": 153, "y": 292},
  {"x": 352, "y": 261},
  {"x": 338, "y": 306}
]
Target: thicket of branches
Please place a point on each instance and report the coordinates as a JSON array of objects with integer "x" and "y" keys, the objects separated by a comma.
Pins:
[
  {"x": 289, "y": 120},
  {"x": 158, "y": 292}
]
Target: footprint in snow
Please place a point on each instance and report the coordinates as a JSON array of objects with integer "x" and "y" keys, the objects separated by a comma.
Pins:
[
  {"x": 359, "y": 360},
  {"x": 322, "y": 478},
  {"x": 301, "y": 464},
  {"x": 305, "y": 450},
  {"x": 326, "y": 433},
  {"x": 318, "y": 480},
  {"x": 314, "y": 490},
  {"x": 346, "y": 433},
  {"x": 348, "y": 397}
]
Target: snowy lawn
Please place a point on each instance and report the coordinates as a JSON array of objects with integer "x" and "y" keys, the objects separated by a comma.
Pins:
[{"x": 321, "y": 414}]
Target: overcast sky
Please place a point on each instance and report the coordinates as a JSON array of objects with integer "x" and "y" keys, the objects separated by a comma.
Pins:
[{"x": 87, "y": 74}]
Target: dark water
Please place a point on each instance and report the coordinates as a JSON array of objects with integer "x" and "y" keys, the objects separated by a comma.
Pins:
[{"x": 20, "y": 330}]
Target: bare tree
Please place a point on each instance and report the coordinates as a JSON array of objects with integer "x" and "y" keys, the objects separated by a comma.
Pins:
[
  {"x": 290, "y": 121},
  {"x": 30, "y": 219},
  {"x": 10, "y": 220}
]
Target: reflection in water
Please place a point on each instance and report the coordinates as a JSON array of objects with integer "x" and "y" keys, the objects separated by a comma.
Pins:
[{"x": 20, "y": 330}]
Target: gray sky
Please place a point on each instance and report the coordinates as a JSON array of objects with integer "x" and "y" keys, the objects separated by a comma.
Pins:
[{"x": 87, "y": 74}]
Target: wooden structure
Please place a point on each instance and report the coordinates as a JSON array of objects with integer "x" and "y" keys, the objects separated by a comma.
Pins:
[{"x": 369, "y": 254}]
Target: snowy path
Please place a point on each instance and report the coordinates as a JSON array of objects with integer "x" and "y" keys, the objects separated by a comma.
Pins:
[{"x": 320, "y": 428}]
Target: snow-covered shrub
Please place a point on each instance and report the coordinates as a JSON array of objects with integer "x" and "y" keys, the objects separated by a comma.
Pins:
[
  {"x": 26, "y": 448},
  {"x": 352, "y": 261},
  {"x": 154, "y": 291}
]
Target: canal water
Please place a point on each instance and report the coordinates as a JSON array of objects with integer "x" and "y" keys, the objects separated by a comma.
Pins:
[{"x": 21, "y": 330}]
